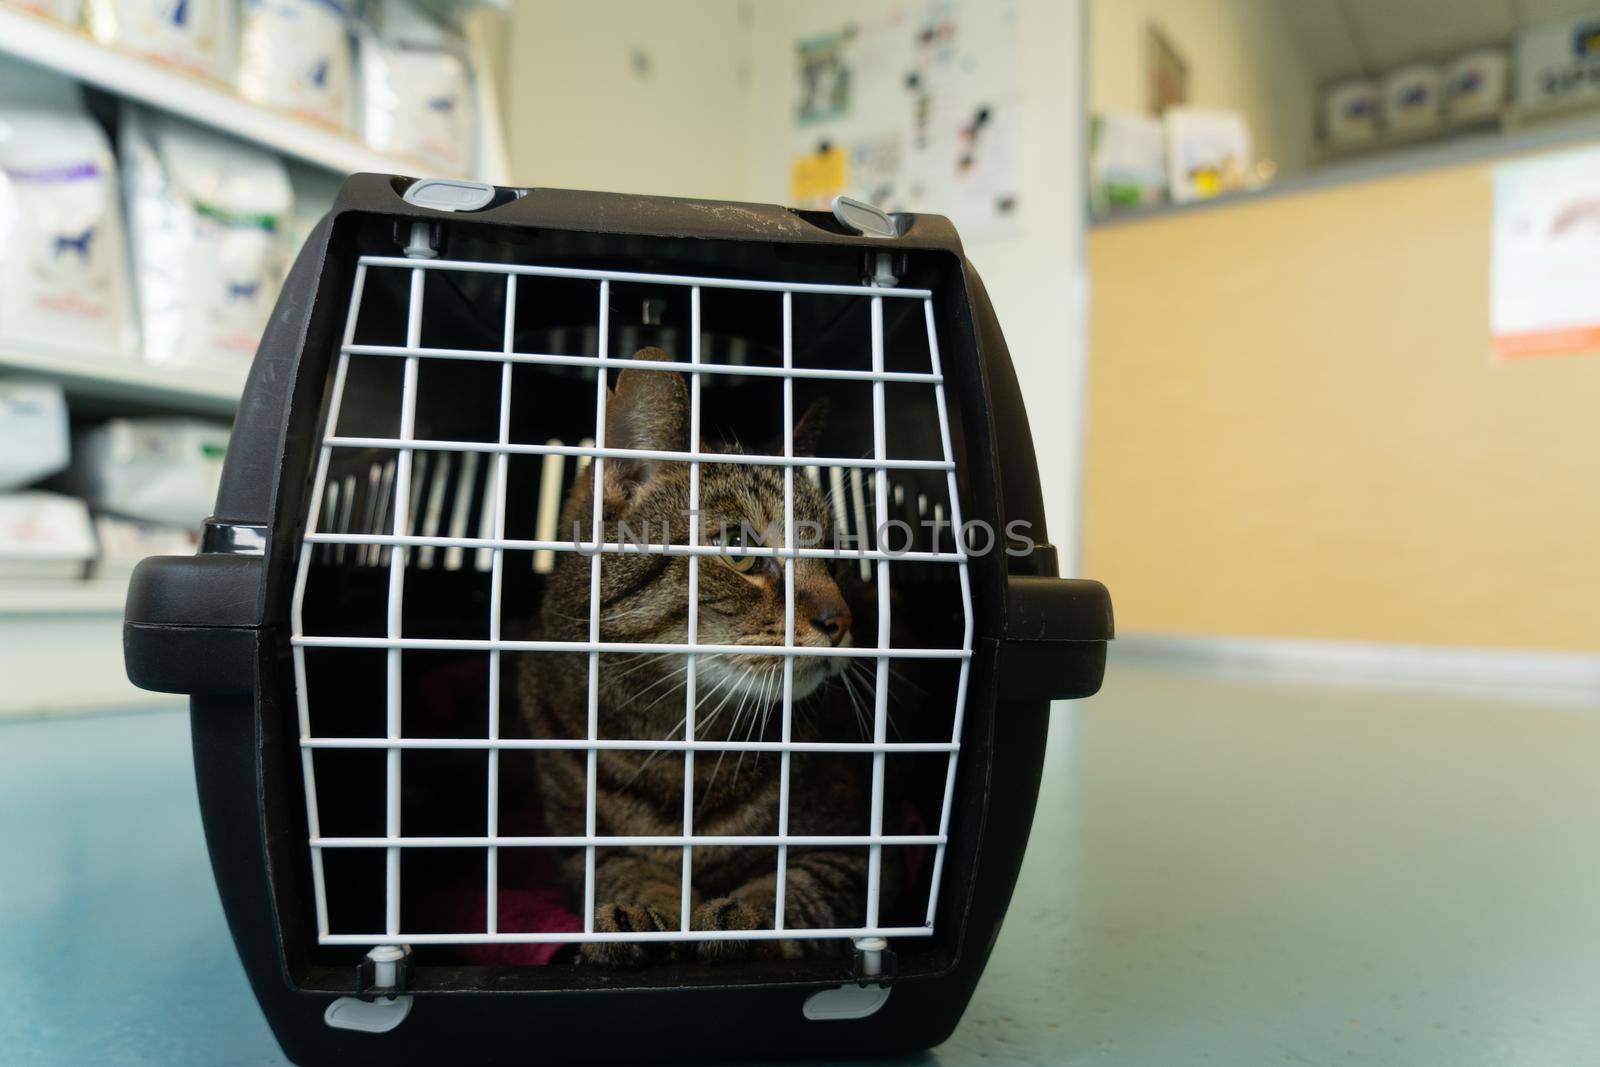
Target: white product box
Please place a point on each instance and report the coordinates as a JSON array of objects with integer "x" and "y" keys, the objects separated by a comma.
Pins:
[
  {"x": 417, "y": 87},
  {"x": 207, "y": 218},
  {"x": 1350, "y": 112},
  {"x": 44, "y": 535},
  {"x": 162, "y": 471},
  {"x": 194, "y": 36},
  {"x": 1127, "y": 160},
  {"x": 1475, "y": 85},
  {"x": 68, "y": 11},
  {"x": 124, "y": 542},
  {"x": 1208, "y": 152},
  {"x": 1558, "y": 64},
  {"x": 297, "y": 55},
  {"x": 1410, "y": 99},
  {"x": 64, "y": 274},
  {"x": 34, "y": 436}
]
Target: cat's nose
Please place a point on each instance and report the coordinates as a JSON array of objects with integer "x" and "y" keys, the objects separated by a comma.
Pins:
[{"x": 835, "y": 624}]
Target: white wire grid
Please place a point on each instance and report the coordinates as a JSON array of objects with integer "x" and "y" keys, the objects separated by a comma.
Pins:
[{"x": 399, "y": 543}]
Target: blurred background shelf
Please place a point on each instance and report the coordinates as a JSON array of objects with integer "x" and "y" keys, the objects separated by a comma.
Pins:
[
  {"x": 72, "y": 53},
  {"x": 61, "y": 648},
  {"x": 95, "y": 596},
  {"x": 60, "y": 642},
  {"x": 124, "y": 381},
  {"x": 1514, "y": 132}
]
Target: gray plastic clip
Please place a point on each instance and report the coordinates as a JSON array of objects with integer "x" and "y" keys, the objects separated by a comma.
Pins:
[
  {"x": 864, "y": 218},
  {"x": 449, "y": 194}
]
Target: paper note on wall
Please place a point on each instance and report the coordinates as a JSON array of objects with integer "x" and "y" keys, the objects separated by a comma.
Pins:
[
  {"x": 1544, "y": 285},
  {"x": 817, "y": 177}
]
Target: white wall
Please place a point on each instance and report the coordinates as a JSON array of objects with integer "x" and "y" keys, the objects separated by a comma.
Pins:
[
  {"x": 626, "y": 95},
  {"x": 1241, "y": 54},
  {"x": 1037, "y": 278}
]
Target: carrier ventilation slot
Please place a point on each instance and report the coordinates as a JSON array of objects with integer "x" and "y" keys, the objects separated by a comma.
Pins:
[{"x": 453, "y": 495}]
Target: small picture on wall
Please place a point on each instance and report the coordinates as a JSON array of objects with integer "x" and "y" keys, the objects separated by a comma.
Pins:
[{"x": 1167, "y": 72}]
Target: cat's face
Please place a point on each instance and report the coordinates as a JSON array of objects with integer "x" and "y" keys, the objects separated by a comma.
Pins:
[{"x": 740, "y": 597}]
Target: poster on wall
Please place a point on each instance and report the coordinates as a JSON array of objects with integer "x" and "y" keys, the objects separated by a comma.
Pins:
[
  {"x": 914, "y": 106},
  {"x": 1544, "y": 284}
]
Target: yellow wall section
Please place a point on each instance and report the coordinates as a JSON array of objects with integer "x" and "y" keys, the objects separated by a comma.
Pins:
[{"x": 1296, "y": 428}]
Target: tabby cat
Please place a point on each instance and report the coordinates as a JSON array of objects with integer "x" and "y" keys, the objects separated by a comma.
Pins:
[{"x": 644, "y": 598}]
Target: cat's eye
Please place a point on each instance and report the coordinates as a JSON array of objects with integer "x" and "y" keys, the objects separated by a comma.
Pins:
[{"x": 731, "y": 540}]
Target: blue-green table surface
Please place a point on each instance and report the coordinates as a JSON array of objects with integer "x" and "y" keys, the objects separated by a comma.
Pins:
[{"x": 1224, "y": 872}]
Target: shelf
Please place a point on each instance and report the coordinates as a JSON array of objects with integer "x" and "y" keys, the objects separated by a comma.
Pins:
[
  {"x": 1525, "y": 132},
  {"x": 70, "y": 52},
  {"x": 61, "y": 648},
  {"x": 452, "y": 10},
  {"x": 123, "y": 379},
  {"x": 62, "y": 596}
]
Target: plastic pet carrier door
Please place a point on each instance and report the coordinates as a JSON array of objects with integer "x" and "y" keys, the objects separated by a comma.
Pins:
[{"x": 626, "y": 632}]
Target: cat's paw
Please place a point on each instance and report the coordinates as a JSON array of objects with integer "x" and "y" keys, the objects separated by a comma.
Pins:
[
  {"x": 617, "y": 918},
  {"x": 726, "y": 913}
]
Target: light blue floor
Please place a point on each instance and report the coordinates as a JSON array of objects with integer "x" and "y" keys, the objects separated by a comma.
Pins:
[{"x": 1223, "y": 872}]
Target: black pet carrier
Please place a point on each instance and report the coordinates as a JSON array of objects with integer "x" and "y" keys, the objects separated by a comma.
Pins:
[{"x": 374, "y": 602}]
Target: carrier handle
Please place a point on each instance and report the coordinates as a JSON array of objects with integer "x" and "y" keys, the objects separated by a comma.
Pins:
[
  {"x": 1056, "y": 634},
  {"x": 191, "y": 624}
]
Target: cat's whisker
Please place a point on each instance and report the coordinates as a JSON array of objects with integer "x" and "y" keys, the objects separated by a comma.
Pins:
[
  {"x": 765, "y": 708},
  {"x": 674, "y": 676},
  {"x": 869, "y": 678},
  {"x": 647, "y": 661},
  {"x": 700, "y": 700},
  {"x": 733, "y": 725},
  {"x": 856, "y": 706}
]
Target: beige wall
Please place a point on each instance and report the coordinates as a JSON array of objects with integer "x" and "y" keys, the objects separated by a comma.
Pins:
[
  {"x": 1241, "y": 54},
  {"x": 1297, "y": 429},
  {"x": 580, "y": 114}
]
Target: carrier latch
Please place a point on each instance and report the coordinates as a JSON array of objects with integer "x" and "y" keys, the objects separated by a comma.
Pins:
[
  {"x": 382, "y": 1003},
  {"x": 873, "y": 959}
]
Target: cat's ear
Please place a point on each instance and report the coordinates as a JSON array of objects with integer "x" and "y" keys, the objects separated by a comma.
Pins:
[
  {"x": 809, "y": 429},
  {"x": 648, "y": 409}
]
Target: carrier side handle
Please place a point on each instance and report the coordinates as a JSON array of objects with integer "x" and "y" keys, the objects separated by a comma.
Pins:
[
  {"x": 191, "y": 623},
  {"x": 1056, "y": 634}
]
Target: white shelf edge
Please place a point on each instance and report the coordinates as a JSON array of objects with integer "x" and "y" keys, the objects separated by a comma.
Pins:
[
  {"x": 73, "y": 53},
  {"x": 62, "y": 596},
  {"x": 109, "y": 376}
]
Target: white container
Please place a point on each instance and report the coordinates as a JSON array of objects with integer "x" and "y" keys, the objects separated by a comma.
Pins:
[
  {"x": 64, "y": 274},
  {"x": 67, "y": 11},
  {"x": 1558, "y": 64},
  {"x": 44, "y": 535},
  {"x": 162, "y": 471},
  {"x": 1475, "y": 85},
  {"x": 1410, "y": 99},
  {"x": 1127, "y": 160},
  {"x": 207, "y": 217},
  {"x": 194, "y": 36},
  {"x": 124, "y": 542},
  {"x": 35, "y": 441},
  {"x": 1350, "y": 112},
  {"x": 1208, "y": 152},
  {"x": 297, "y": 56},
  {"x": 417, "y": 88}
]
